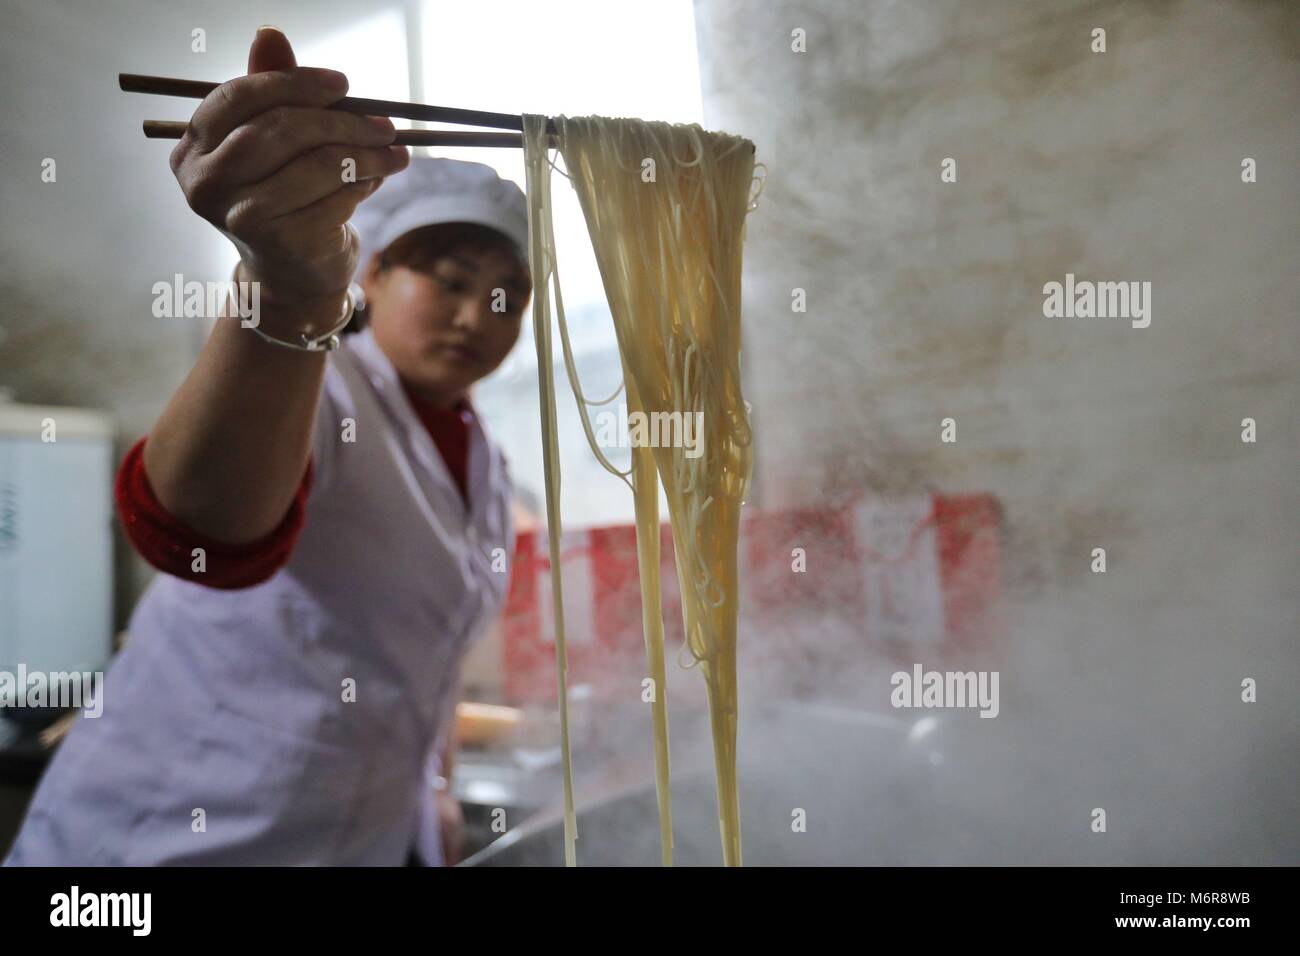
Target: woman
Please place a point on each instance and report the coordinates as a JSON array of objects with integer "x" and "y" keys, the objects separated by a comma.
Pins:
[{"x": 333, "y": 528}]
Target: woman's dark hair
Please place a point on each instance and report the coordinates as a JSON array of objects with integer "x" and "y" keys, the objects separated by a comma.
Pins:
[{"x": 420, "y": 248}]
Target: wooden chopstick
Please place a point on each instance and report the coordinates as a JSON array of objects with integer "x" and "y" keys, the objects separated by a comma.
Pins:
[
  {"x": 197, "y": 89},
  {"x": 168, "y": 129}
]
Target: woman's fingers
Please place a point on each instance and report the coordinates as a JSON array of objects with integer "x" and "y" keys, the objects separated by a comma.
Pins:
[
  {"x": 313, "y": 236},
  {"x": 266, "y": 143},
  {"x": 310, "y": 178},
  {"x": 270, "y": 50},
  {"x": 236, "y": 101},
  {"x": 312, "y": 251},
  {"x": 327, "y": 215},
  {"x": 315, "y": 247}
]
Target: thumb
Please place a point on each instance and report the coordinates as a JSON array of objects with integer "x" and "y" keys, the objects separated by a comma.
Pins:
[{"x": 270, "y": 51}]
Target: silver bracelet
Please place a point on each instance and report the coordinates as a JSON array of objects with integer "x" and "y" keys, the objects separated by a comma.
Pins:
[{"x": 328, "y": 341}]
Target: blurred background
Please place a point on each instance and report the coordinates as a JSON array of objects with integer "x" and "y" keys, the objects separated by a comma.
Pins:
[{"x": 882, "y": 298}]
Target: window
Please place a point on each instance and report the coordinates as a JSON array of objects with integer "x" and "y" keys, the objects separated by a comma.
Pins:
[{"x": 614, "y": 59}]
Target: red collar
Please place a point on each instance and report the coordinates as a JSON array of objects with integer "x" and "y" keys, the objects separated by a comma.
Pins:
[{"x": 428, "y": 411}]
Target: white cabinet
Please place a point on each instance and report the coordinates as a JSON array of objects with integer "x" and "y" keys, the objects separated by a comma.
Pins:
[{"x": 56, "y": 546}]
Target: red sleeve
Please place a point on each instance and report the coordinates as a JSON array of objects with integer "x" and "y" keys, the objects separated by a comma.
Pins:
[{"x": 168, "y": 544}]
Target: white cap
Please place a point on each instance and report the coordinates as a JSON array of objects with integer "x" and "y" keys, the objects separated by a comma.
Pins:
[{"x": 433, "y": 190}]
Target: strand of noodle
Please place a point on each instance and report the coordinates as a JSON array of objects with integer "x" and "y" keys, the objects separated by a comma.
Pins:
[
  {"x": 762, "y": 182},
  {"x": 570, "y": 367},
  {"x": 605, "y": 401},
  {"x": 569, "y": 364},
  {"x": 550, "y": 162},
  {"x": 646, "y": 497},
  {"x": 541, "y": 258}
]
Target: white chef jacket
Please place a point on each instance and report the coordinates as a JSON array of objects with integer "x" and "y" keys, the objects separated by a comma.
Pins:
[{"x": 228, "y": 735}]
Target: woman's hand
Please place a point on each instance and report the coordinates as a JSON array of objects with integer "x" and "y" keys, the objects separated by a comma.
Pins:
[{"x": 263, "y": 160}]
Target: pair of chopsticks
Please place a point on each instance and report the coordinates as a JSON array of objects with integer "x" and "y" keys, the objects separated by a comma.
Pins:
[{"x": 197, "y": 89}]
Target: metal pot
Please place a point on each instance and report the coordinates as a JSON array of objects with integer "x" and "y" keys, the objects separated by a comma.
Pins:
[{"x": 818, "y": 786}]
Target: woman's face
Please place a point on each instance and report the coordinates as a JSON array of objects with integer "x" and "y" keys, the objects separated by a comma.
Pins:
[{"x": 447, "y": 326}]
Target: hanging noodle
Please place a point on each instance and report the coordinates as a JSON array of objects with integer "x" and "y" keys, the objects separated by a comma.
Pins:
[{"x": 669, "y": 249}]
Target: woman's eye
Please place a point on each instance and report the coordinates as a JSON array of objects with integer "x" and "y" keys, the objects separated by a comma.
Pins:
[{"x": 453, "y": 285}]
